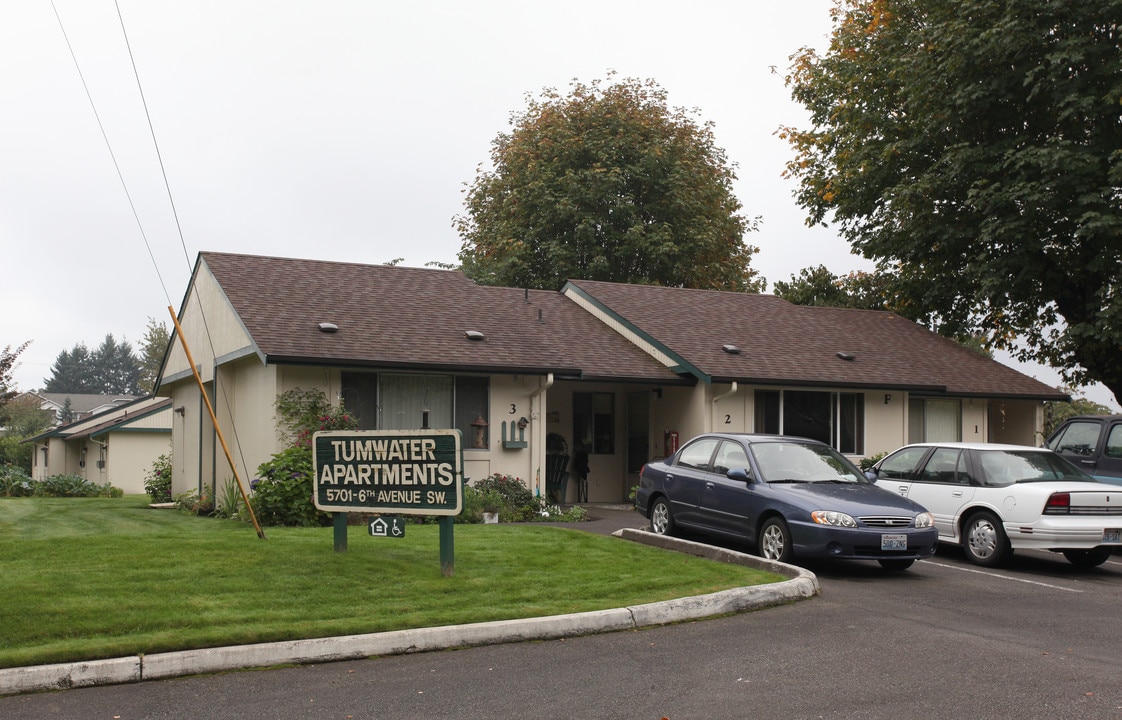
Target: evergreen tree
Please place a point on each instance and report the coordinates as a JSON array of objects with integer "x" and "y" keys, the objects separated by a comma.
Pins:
[{"x": 72, "y": 372}]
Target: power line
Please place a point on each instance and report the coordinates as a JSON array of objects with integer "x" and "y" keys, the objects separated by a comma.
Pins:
[{"x": 112, "y": 155}]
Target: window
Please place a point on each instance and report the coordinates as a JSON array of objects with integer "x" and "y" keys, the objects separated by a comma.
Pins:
[
  {"x": 471, "y": 403},
  {"x": 934, "y": 420},
  {"x": 386, "y": 401},
  {"x": 837, "y": 419},
  {"x": 944, "y": 466},
  {"x": 901, "y": 465},
  {"x": 730, "y": 456},
  {"x": 594, "y": 425},
  {"x": 696, "y": 455},
  {"x": 1081, "y": 438},
  {"x": 1114, "y": 443}
]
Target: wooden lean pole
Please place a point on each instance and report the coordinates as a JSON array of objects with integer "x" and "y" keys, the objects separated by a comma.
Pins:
[{"x": 214, "y": 420}]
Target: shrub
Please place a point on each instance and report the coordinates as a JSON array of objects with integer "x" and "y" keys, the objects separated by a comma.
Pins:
[
  {"x": 73, "y": 486},
  {"x": 518, "y": 503},
  {"x": 15, "y": 482},
  {"x": 195, "y": 503},
  {"x": 867, "y": 462},
  {"x": 282, "y": 492},
  {"x": 157, "y": 480}
]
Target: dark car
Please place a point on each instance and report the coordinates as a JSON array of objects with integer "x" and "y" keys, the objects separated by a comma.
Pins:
[
  {"x": 790, "y": 497},
  {"x": 1094, "y": 443}
]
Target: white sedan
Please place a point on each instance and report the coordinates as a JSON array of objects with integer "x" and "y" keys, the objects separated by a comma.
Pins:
[{"x": 994, "y": 499}]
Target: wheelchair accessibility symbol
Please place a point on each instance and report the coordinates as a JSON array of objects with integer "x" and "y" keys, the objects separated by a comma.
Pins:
[{"x": 387, "y": 527}]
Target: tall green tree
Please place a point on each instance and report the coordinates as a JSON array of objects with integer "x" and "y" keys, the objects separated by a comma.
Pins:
[
  {"x": 72, "y": 372},
  {"x": 152, "y": 349},
  {"x": 117, "y": 366},
  {"x": 977, "y": 144},
  {"x": 112, "y": 368},
  {"x": 606, "y": 183}
]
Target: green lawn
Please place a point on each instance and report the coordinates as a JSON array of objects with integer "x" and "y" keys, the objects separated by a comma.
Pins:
[{"x": 93, "y": 578}]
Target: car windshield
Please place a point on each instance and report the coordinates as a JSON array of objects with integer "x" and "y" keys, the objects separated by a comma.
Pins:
[
  {"x": 800, "y": 462},
  {"x": 1005, "y": 467}
]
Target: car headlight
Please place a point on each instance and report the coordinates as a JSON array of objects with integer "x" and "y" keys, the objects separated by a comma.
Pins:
[
  {"x": 830, "y": 517},
  {"x": 925, "y": 520}
]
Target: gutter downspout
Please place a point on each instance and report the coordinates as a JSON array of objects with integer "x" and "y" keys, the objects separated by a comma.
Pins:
[
  {"x": 722, "y": 396},
  {"x": 537, "y": 446}
]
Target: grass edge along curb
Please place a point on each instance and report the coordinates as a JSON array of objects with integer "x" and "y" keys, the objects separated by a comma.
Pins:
[{"x": 800, "y": 585}]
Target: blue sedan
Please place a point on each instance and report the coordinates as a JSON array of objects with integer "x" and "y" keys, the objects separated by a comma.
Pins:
[{"x": 788, "y": 496}]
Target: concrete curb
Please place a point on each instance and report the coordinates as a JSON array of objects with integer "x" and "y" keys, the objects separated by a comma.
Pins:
[{"x": 800, "y": 585}]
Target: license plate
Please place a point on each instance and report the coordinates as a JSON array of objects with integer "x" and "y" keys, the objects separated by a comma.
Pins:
[
  {"x": 1112, "y": 536},
  {"x": 893, "y": 542}
]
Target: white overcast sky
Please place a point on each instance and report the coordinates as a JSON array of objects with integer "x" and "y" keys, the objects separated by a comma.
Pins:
[{"x": 335, "y": 130}]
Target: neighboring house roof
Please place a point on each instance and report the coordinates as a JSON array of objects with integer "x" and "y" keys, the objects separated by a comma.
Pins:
[
  {"x": 794, "y": 345},
  {"x": 81, "y": 403},
  {"x": 414, "y": 318},
  {"x": 115, "y": 419}
]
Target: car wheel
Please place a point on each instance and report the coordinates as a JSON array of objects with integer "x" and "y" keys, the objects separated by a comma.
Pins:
[
  {"x": 662, "y": 523},
  {"x": 896, "y": 565},
  {"x": 1088, "y": 558},
  {"x": 775, "y": 540},
  {"x": 984, "y": 541}
]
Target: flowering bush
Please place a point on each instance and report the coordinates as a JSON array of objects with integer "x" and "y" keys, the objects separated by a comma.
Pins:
[
  {"x": 334, "y": 419},
  {"x": 157, "y": 481},
  {"x": 303, "y": 412}
]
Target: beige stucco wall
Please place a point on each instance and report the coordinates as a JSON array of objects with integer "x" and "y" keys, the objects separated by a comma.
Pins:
[
  {"x": 974, "y": 420},
  {"x": 130, "y": 455},
  {"x": 221, "y": 336},
  {"x": 886, "y": 421}
]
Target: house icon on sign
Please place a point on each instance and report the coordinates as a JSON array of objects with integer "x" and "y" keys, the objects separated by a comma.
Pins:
[{"x": 387, "y": 527}]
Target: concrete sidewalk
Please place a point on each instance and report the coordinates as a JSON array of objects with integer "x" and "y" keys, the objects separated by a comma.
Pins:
[{"x": 800, "y": 585}]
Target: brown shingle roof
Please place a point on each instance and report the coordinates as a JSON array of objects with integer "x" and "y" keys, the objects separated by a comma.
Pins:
[
  {"x": 417, "y": 318},
  {"x": 786, "y": 344}
]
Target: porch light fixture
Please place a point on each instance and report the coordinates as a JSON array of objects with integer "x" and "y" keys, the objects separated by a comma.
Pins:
[
  {"x": 329, "y": 328},
  {"x": 474, "y": 335},
  {"x": 848, "y": 357},
  {"x": 731, "y": 349}
]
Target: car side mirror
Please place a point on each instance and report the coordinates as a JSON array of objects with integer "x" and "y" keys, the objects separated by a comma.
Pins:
[
  {"x": 872, "y": 474},
  {"x": 744, "y": 475}
]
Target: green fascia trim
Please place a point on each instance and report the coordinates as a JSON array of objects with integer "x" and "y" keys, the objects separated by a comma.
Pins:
[
  {"x": 681, "y": 367},
  {"x": 166, "y": 431}
]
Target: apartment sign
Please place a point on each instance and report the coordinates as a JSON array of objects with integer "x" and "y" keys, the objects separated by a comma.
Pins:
[{"x": 410, "y": 472}]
